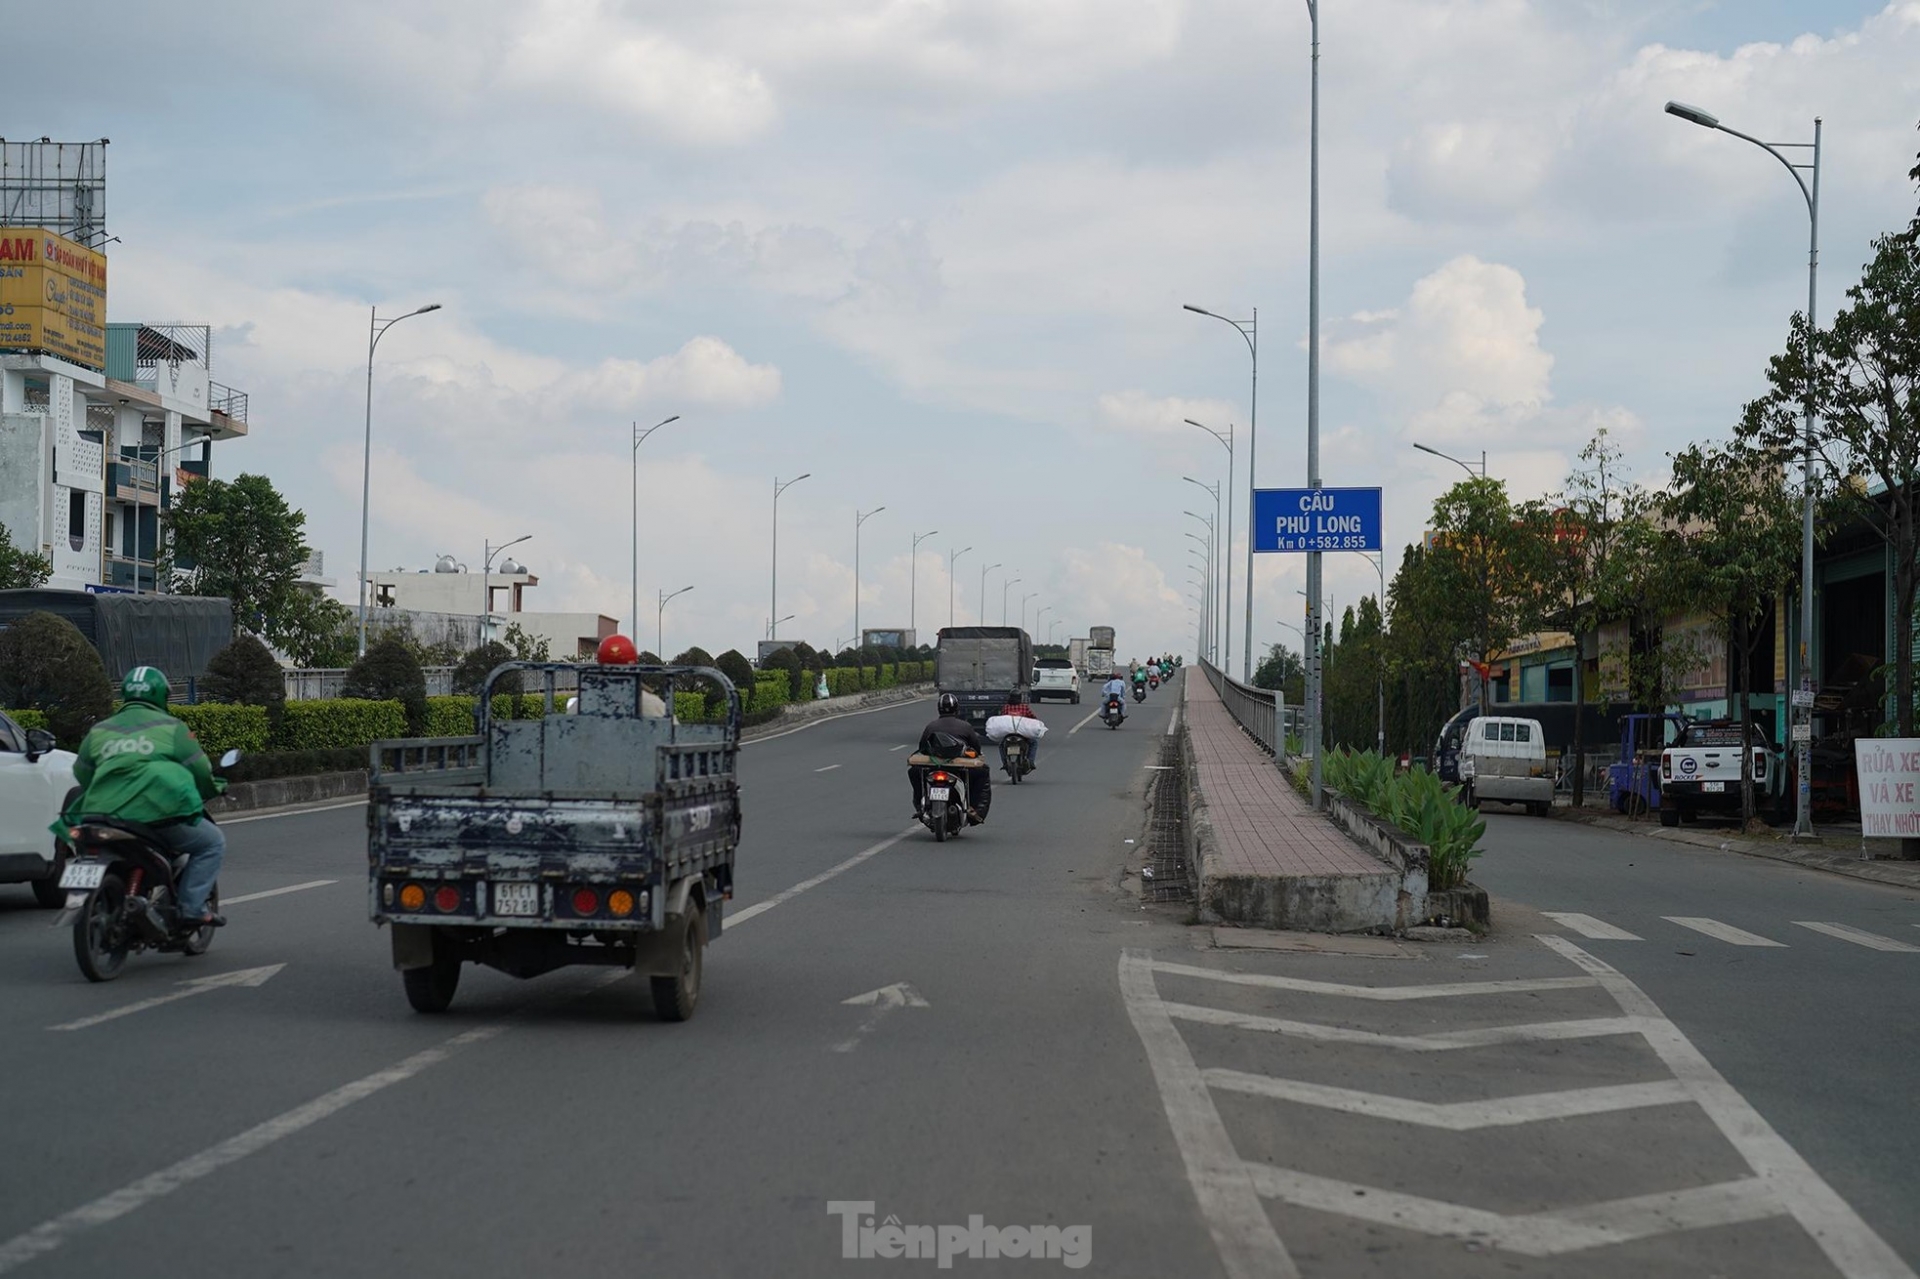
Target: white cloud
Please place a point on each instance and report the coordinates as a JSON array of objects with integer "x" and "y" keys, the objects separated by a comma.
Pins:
[
  {"x": 1136, "y": 413},
  {"x": 706, "y": 372}
]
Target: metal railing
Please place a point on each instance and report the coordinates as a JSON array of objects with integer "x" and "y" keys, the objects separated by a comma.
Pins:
[
  {"x": 1257, "y": 710},
  {"x": 224, "y": 399},
  {"x": 319, "y": 683}
]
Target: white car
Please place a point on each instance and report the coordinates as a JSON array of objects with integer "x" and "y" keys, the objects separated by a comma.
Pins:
[
  {"x": 34, "y": 782},
  {"x": 1055, "y": 677}
]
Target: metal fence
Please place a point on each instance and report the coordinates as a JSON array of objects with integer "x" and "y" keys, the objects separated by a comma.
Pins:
[
  {"x": 1257, "y": 710},
  {"x": 313, "y": 685}
]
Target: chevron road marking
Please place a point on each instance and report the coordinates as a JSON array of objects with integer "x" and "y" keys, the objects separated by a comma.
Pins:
[
  {"x": 1583, "y": 1028},
  {"x": 1458, "y": 1116},
  {"x": 1437, "y": 990}
]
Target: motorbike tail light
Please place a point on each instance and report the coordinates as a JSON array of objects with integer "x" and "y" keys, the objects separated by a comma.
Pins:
[
  {"x": 620, "y": 902},
  {"x": 585, "y": 901},
  {"x": 941, "y": 777},
  {"x": 446, "y": 898},
  {"x": 413, "y": 897}
]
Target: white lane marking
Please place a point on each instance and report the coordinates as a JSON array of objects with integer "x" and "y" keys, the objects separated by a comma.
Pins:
[
  {"x": 49, "y": 1235},
  {"x": 1242, "y": 1232},
  {"x": 1542, "y": 1234},
  {"x": 1534, "y": 1032},
  {"x": 1458, "y": 1116},
  {"x": 1860, "y": 937},
  {"x": 741, "y": 917},
  {"x": 891, "y": 749},
  {"x": 52, "y": 1234},
  {"x": 882, "y": 1001},
  {"x": 291, "y": 812},
  {"x": 828, "y": 719},
  {"x": 1588, "y": 926},
  {"x": 828, "y": 769},
  {"x": 1722, "y": 932},
  {"x": 1173, "y": 721},
  {"x": 196, "y": 986},
  {"x": 1853, "y": 1247},
  {"x": 1083, "y": 723},
  {"x": 1437, "y": 990},
  {"x": 277, "y": 892}
]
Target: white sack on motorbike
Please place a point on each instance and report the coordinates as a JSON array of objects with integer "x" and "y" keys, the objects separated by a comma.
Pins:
[{"x": 1001, "y": 726}]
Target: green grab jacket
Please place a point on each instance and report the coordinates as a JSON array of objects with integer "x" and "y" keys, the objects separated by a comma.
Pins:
[{"x": 143, "y": 765}]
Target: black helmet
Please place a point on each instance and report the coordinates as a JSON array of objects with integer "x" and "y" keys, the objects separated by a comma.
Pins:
[{"x": 948, "y": 704}]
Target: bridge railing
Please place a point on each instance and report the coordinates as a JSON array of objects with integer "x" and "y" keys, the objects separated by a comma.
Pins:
[{"x": 1257, "y": 710}]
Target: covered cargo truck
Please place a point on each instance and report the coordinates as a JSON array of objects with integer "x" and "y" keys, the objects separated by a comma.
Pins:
[{"x": 981, "y": 665}]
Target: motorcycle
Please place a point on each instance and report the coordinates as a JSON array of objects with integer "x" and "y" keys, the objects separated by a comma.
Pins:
[
  {"x": 1139, "y": 692},
  {"x": 1016, "y": 756},
  {"x": 1113, "y": 712},
  {"x": 1153, "y": 681},
  {"x": 944, "y": 811},
  {"x": 121, "y": 884}
]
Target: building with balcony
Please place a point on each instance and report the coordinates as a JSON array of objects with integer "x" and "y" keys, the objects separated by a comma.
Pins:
[
  {"x": 450, "y": 603},
  {"x": 90, "y": 458}
]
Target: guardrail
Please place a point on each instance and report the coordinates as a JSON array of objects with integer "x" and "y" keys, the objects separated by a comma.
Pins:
[{"x": 1257, "y": 710}]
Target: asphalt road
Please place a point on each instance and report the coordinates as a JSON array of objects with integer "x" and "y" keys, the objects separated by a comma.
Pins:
[{"x": 1047, "y": 1069}]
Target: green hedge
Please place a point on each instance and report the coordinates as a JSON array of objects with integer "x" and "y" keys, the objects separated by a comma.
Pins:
[
  {"x": 770, "y": 690},
  {"x": 224, "y": 726},
  {"x": 269, "y": 764},
  {"x": 339, "y": 723},
  {"x": 28, "y": 720}
]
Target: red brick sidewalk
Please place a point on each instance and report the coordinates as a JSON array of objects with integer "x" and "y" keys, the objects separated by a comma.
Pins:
[{"x": 1261, "y": 824}]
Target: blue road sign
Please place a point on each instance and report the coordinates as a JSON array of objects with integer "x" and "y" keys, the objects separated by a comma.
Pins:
[{"x": 1321, "y": 519}]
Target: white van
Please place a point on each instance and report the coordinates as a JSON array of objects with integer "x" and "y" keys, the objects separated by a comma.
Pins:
[{"x": 1505, "y": 760}]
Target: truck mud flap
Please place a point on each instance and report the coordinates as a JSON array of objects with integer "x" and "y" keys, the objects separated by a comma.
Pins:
[{"x": 412, "y": 946}]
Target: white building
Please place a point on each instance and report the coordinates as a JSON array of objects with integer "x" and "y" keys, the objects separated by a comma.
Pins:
[
  {"x": 90, "y": 458},
  {"x": 450, "y": 602}
]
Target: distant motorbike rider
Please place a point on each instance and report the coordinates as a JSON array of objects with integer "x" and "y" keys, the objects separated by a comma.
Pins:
[
  {"x": 944, "y": 730},
  {"x": 1017, "y": 707},
  {"x": 142, "y": 765},
  {"x": 1115, "y": 690}
]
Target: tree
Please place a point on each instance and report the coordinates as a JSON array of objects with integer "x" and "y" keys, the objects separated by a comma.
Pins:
[
  {"x": 245, "y": 672},
  {"x": 243, "y": 542},
  {"x": 314, "y": 631},
  {"x": 785, "y": 659},
  {"x": 1423, "y": 651},
  {"x": 695, "y": 656},
  {"x": 47, "y": 665},
  {"x": 1352, "y": 675},
  {"x": 1736, "y": 530},
  {"x": 473, "y": 669},
  {"x": 1484, "y": 565},
  {"x": 525, "y": 647},
  {"x": 1857, "y": 381},
  {"x": 21, "y": 570},
  {"x": 1282, "y": 671},
  {"x": 389, "y": 672}
]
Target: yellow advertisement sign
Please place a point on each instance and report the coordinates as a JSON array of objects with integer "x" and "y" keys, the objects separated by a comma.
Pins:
[{"x": 53, "y": 296}]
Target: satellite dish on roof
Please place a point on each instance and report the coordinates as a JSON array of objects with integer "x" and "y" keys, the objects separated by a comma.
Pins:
[
  {"x": 446, "y": 564},
  {"x": 512, "y": 567}
]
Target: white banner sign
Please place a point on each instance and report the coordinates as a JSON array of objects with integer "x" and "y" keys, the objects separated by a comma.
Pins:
[{"x": 1889, "y": 770}]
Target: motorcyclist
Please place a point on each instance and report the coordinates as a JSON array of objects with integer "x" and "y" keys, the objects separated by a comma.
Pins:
[
  {"x": 1017, "y": 707},
  {"x": 1140, "y": 682},
  {"x": 142, "y": 765},
  {"x": 1115, "y": 689},
  {"x": 948, "y": 723}
]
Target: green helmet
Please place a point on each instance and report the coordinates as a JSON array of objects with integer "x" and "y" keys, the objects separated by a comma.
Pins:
[{"x": 146, "y": 684}]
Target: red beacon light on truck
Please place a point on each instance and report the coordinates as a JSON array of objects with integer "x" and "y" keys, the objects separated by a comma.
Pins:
[{"x": 616, "y": 650}]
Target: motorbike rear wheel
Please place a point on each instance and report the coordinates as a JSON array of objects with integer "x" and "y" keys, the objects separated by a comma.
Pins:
[
  {"x": 937, "y": 819},
  {"x": 99, "y": 934},
  {"x": 202, "y": 938}
]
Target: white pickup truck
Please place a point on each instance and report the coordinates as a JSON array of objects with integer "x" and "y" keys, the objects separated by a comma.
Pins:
[{"x": 1700, "y": 772}]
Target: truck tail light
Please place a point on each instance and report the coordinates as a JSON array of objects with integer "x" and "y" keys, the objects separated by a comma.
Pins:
[
  {"x": 1666, "y": 767},
  {"x": 585, "y": 901},
  {"x": 446, "y": 898},
  {"x": 620, "y": 902},
  {"x": 413, "y": 898},
  {"x": 1759, "y": 766}
]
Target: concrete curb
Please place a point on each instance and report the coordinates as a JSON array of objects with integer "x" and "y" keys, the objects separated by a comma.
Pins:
[
  {"x": 1409, "y": 859},
  {"x": 1903, "y": 874},
  {"x": 797, "y": 714},
  {"x": 284, "y": 792}
]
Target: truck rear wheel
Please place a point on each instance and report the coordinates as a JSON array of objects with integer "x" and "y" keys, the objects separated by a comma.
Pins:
[
  {"x": 675, "y": 996},
  {"x": 431, "y": 989}
]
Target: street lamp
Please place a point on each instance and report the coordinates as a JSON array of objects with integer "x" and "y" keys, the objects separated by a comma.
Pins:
[
  {"x": 1031, "y": 595},
  {"x": 1802, "y": 713},
  {"x": 953, "y": 557},
  {"x": 659, "y": 620},
  {"x": 983, "y": 591},
  {"x": 1224, "y": 549},
  {"x": 773, "y": 626},
  {"x": 1482, "y": 472},
  {"x": 773, "y": 591},
  {"x": 1211, "y": 545},
  {"x": 1380, "y": 673},
  {"x": 1050, "y": 626},
  {"x": 639, "y": 438},
  {"x": 913, "y": 581},
  {"x": 1249, "y": 331},
  {"x": 376, "y": 329},
  {"x": 488, "y": 551},
  {"x": 1042, "y": 612},
  {"x": 1226, "y": 537},
  {"x": 1004, "y": 587},
  {"x": 858, "y": 520}
]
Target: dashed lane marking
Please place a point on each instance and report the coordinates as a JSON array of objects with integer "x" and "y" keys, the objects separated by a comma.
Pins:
[
  {"x": 1588, "y": 926},
  {"x": 277, "y": 892},
  {"x": 828, "y": 769},
  {"x": 1723, "y": 932},
  {"x": 1860, "y": 937}
]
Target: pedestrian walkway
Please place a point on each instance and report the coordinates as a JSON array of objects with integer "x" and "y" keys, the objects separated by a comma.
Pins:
[
  {"x": 1265, "y": 857},
  {"x": 1596, "y": 929}
]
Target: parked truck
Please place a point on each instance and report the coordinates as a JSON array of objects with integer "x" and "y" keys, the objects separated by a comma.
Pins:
[
  {"x": 1099, "y": 653},
  {"x": 981, "y": 665},
  {"x": 601, "y": 836}
]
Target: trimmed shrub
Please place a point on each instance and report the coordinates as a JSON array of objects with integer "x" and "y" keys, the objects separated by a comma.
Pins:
[
  {"x": 245, "y": 673},
  {"x": 695, "y": 656},
  {"x": 28, "y": 720},
  {"x": 342, "y": 723},
  {"x": 771, "y": 690},
  {"x": 734, "y": 665},
  {"x": 222, "y": 726},
  {"x": 271, "y": 764},
  {"x": 474, "y": 668},
  {"x": 390, "y": 673},
  {"x": 451, "y": 716},
  {"x": 47, "y": 665},
  {"x": 690, "y": 708}
]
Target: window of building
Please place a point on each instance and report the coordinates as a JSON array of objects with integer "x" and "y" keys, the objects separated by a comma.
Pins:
[{"x": 76, "y": 519}]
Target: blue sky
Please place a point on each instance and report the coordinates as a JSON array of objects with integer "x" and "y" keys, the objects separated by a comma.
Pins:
[{"x": 935, "y": 251}]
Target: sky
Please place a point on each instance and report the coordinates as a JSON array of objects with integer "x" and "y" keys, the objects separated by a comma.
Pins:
[{"x": 934, "y": 253}]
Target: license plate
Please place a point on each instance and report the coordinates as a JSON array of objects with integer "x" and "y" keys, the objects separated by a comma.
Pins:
[
  {"x": 939, "y": 792},
  {"x": 83, "y": 875},
  {"x": 516, "y": 899},
  {"x": 1714, "y": 788},
  {"x": 1015, "y": 748}
]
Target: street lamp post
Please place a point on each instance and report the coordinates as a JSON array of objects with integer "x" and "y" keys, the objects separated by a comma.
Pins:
[
  {"x": 1802, "y": 717},
  {"x": 953, "y": 557},
  {"x": 639, "y": 438},
  {"x": 858, "y": 520},
  {"x": 159, "y": 466},
  {"x": 1380, "y": 666},
  {"x": 1249, "y": 331},
  {"x": 1208, "y": 545},
  {"x": 1030, "y": 595},
  {"x": 1004, "y": 588},
  {"x": 773, "y": 590},
  {"x": 1040, "y": 613},
  {"x": 1226, "y": 538},
  {"x": 983, "y": 591},
  {"x": 659, "y": 620},
  {"x": 488, "y": 551},
  {"x": 1224, "y": 549},
  {"x": 376, "y": 329},
  {"x": 913, "y": 582},
  {"x": 1482, "y": 472}
]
